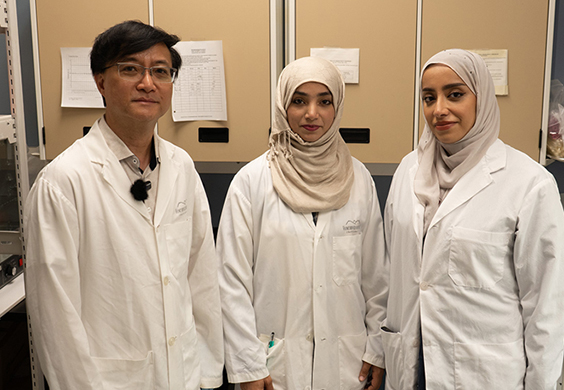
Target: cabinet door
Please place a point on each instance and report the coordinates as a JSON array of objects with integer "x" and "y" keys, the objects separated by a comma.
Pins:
[
  {"x": 71, "y": 23},
  {"x": 244, "y": 29},
  {"x": 383, "y": 101},
  {"x": 519, "y": 27}
]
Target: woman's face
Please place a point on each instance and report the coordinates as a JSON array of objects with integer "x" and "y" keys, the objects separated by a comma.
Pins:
[
  {"x": 311, "y": 111},
  {"x": 449, "y": 105}
]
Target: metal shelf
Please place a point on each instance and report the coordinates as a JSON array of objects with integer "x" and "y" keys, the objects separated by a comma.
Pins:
[
  {"x": 12, "y": 294},
  {"x": 12, "y": 129}
]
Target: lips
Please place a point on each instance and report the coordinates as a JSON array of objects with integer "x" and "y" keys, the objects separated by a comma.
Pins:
[
  {"x": 144, "y": 100},
  {"x": 311, "y": 127},
  {"x": 442, "y": 126}
]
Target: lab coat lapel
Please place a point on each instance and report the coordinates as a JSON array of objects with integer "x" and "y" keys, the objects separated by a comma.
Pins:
[
  {"x": 112, "y": 171},
  {"x": 322, "y": 221},
  {"x": 473, "y": 182},
  {"x": 418, "y": 208},
  {"x": 116, "y": 177},
  {"x": 168, "y": 174}
]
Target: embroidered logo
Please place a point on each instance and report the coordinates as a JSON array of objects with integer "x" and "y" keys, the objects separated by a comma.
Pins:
[
  {"x": 352, "y": 227},
  {"x": 181, "y": 207}
]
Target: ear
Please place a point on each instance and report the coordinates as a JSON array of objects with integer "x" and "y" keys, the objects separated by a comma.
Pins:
[{"x": 100, "y": 83}]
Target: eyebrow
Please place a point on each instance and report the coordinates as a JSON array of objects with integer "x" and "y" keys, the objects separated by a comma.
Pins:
[
  {"x": 305, "y": 94},
  {"x": 448, "y": 86},
  {"x": 136, "y": 60}
]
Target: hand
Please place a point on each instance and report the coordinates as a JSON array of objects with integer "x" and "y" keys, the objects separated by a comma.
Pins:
[
  {"x": 261, "y": 384},
  {"x": 377, "y": 375}
]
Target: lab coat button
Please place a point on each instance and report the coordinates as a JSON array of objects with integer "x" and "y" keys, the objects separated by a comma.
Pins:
[
  {"x": 424, "y": 286},
  {"x": 171, "y": 341},
  {"x": 166, "y": 281},
  {"x": 309, "y": 337}
]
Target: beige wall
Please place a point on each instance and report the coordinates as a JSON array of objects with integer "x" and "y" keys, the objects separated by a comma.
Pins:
[
  {"x": 71, "y": 23},
  {"x": 519, "y": 27},
  {"x": 385, "y": 32}
]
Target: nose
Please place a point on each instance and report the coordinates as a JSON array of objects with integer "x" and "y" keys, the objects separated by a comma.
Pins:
[
  {"x": 441, "y": 107},
  {"x": 312, "y": 112},
  {"x": 146, "y": 83}
]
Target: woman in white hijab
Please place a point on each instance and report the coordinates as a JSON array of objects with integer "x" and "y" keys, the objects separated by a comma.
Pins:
[
  {"x": 302, "y": 250},
  {"x": 475, "y": 239}
]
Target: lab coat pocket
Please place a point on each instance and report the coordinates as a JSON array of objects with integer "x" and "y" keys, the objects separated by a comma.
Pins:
[
  {"x": 477, "y": 257},
  {"x": 121, "y": 374},
  {"x": 275, "y": 360},
  {"x": 178, "y": 241},
  {"x": 393, "y": 351},
  {"x": 351, "y": 350},
  {"x": 489, "y": 366},
  {"x": 346, "y": 259}
]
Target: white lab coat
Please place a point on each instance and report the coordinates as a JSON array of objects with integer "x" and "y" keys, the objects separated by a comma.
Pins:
[
  {"x": 319, "y": 288},
  {"x": 487, "y": 282},
  {"x": 117, "y": 301}
]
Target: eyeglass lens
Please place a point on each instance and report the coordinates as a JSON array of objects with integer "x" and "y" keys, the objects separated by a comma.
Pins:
[{"x": 162, "y": 74}]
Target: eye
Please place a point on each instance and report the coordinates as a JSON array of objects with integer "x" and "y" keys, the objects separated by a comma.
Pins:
[
  {"x": 161, "y": 71},
  {"x": 428, "y": 99},
  {"x": 456, "y": 95},
  {"x": 298, "y": 101},
  {"x": 129, "y": 68},
  {"x": 327, "y": 102}
]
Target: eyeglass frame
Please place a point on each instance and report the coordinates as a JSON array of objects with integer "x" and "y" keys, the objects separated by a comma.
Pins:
[{"x": 174, "y": 72}]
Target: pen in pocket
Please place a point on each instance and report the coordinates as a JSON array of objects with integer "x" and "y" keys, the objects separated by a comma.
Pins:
[{"x": 271, "y": 342}]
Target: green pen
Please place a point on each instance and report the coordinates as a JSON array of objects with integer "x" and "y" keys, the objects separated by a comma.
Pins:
[{"x": 271, "y": 342}]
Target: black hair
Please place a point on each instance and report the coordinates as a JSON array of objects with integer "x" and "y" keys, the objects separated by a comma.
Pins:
[{"x": 128, "y": 38}]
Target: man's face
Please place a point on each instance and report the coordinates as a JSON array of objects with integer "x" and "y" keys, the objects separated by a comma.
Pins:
[{"x": 136, "y": 103}]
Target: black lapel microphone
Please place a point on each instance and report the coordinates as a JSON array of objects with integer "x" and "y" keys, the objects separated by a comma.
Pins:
[{"x": 139, "y": 189}]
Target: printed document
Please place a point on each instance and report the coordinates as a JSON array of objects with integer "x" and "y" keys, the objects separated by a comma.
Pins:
[
  {"x": 79, "y": 88},
  {"x": 199, "y": 91}
]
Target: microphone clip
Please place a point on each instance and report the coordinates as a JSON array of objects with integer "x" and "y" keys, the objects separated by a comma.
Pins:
[{"x": 140, "y": 189}]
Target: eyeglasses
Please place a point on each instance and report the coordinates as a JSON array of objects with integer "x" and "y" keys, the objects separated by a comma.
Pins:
[{"x": 135, "y": 72}]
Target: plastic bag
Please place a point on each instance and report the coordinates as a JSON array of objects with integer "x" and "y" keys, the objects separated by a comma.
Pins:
[{"x": 555, "y": 141}]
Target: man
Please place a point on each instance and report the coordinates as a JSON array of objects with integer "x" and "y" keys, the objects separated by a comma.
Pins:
[{"x": 121, "y": 273}]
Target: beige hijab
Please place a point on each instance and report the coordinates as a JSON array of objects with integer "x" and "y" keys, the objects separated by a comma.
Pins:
[
  {"x": 442, "y": 165},
  {"x": 310, "y": 176}
]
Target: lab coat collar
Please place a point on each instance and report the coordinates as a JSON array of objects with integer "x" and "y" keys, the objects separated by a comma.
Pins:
[
  {"x": 115, "y": 175},
  {"x": 475, "y": 180},
  {"x": 112, "y": 171}
]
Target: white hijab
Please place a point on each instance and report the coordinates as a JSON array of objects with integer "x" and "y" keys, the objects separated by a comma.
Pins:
[
  {"x": 310, "y": 176},
  {"x": 442, "y": 165}
]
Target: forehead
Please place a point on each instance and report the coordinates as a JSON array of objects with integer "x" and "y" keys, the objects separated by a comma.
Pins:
[
  {"x": 312, "y": 88},
  {"x": 156, "y": 54},
  {"x": 439, "y": 75}
]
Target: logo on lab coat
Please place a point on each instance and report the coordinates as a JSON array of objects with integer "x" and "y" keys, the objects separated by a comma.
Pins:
[
  {"x": 181, "y": 207},
  {"x": 352, "y": 226}
]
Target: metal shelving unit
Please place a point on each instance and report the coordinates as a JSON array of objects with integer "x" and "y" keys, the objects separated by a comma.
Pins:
[
  {"x": 14, "y": 174},
  {"x": 13, "y": 158}
]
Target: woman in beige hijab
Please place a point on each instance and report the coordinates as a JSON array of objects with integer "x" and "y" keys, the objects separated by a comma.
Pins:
[
  {"x": 302, "y": 251},
  {"x": 475, "y": 243}
]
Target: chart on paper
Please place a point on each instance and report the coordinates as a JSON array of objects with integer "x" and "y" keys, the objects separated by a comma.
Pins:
[
  {"x": 79, "y": 88},
  {"x": 199, "y": 91}
]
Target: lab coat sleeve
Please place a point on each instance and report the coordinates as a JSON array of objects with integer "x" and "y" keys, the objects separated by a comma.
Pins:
[
  {"x": 204, "y": 289},
  {"x": 539, "y": 268},
  {"x": 245, "y": 355},
  {"x": 374, "y": 281},
  {"x": 53, "y": 291}
]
